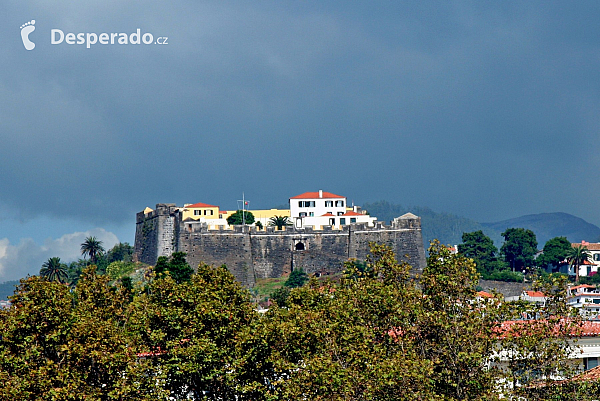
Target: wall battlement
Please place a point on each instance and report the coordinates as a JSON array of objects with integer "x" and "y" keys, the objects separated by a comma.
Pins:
[{"x": 250, "y": 253}]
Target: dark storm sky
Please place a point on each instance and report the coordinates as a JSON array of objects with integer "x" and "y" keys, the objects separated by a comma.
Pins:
[{"x": 484, "y": 109}]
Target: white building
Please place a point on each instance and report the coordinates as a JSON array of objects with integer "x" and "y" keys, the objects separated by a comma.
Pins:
[
  {"x": 589, "y": 267},
  {"x": 586, "y": 298},
  {"x": 321, "y": 208},
  {"x": 536, "y": 297}
]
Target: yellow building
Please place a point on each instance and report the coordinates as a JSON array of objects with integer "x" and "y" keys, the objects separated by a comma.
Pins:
[
  {"x": 265, "y": 215},
  {"x": 199, "y": 211}
]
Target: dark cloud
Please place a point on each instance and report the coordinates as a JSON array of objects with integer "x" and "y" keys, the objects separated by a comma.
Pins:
[{"x": 481, "y": 108}]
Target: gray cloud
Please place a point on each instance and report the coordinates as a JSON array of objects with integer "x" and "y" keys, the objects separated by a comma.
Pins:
[
  {"x": 481, "y": 108},
  {"x": 27, "y": 256}
]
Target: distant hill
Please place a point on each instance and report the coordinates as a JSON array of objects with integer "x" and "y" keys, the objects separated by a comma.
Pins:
[
  {"x": 550, "y": 225},
  {"x": 446, "y": 227}
]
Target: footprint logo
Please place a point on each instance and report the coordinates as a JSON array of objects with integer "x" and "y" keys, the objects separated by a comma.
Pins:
[{"x": 26, "y": 29}]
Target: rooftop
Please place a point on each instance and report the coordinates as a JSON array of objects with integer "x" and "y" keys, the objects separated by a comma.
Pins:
[{"x": 315, "y": 195}]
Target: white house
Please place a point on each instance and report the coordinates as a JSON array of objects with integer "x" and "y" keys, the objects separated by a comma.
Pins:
[
  {"x": 536, "y": 297},
  {"x": 593, "y": 265},
  {"x": 586, "y": 298},
  {"x": 321, "y": 208}
]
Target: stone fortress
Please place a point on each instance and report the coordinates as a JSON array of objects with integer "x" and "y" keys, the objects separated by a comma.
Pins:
[{"x": 325, "y": 232}]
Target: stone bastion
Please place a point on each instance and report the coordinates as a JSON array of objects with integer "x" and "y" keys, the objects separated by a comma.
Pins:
[{"x": 250, "y": 253}]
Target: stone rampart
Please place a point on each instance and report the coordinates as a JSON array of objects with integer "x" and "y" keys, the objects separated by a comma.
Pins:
[{"x": 250, "y": 253}]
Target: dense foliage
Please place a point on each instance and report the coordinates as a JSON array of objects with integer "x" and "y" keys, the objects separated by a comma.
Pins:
[
  {"x": 176, "y": 266},
  {"x": 519, "y": 248},
  {"x": 373, "y": 335},
  {"x": 239, "y": 216},
  {"x": 555, "y": 251}
]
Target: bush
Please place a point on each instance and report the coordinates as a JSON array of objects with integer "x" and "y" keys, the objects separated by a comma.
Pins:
[{"x": 504, "y": 275}]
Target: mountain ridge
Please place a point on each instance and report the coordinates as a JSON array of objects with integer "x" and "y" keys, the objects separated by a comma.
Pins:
[{"x": 448, "y": 228}]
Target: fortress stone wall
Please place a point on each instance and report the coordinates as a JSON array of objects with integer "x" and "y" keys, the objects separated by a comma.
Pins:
[{"x": 250, "y": 253}]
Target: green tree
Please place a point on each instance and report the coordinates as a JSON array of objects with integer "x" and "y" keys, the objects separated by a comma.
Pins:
[
  {"x": 237, "y": 218},
  {"x": 92, "y": 248},
  {"x": 194, "y": 332},
  {"x": 53, "y": 270},
  {"x": 176, "y": 266},
  {"x": 519, "y": 248},
  {"x": 120, "y": 252},
  {"x": 479, "y": 247},
  {"x": 350, "y": 341},
  {"x": 63, "y": 345},
  {"x": 119, "y": 269},
  {"x": 456, "y": 330},
  {"x": 296, "y": 279},
  {"x": 279, "y": 222},
  {"x": 577, "y": 256},
  {"x": 75, "y": 269},
  {"x": 280, "y": 296},
  {"x": 537, "y": 349},
  {"x": 555, "y": 251}
]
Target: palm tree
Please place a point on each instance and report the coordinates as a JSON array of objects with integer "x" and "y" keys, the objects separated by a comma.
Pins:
[
  {"x": 93, "y": 248},
  {"x": 53, "y": 270},
  {"x": 279, "y": 221},
  {"x": 576, "y": 257}
]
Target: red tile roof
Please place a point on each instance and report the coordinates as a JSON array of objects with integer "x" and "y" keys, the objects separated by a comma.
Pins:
[
  {"x": 585, "y": 329},
  {"x": 581, "y": 286},
  {"x": 352, "y": 213},
  {"x": 315, "y": 195},
  {"x": 535, "y": 294},
  {"x": 197, "y": 205},
  {"x": 594, "y": 246},
  {"x": 591, "y": 375},
  {"x": 327, "y": 215},
  {"x": 484, "y": 294}
]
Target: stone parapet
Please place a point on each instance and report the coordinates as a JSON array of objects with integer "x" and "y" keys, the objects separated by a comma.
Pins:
[{"x": 250, "y": 253}]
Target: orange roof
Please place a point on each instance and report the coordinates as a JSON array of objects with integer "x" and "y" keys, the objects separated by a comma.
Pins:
[
  {"x": 581, "y": 286},
  {"x": 591, "y": 375},
  {"x": 352, "y": 213},
  {"x": 315, "y": 195},
  {"x": 327, "y": 215},
  {"x": 198, "y": 205},
  {"x": 594, "y": 246},
  {"x": 585, "y": 329},
  {"x": 484, "y": 294},
  {"x": 535, "y": 293}
]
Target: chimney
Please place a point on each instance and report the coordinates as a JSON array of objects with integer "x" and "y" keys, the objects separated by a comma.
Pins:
[{"x": 320, "y": 193}]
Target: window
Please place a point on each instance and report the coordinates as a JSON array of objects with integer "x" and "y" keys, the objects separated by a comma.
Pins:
[
  {"x": 311, "y": 214},
  {"x": 332, "y": 222},
  {"x": 299, "y": 246},
  {"x": 302, "y": 214},
  {"x": 205, "y": 212},
  {"x": 340, "y": 213},
  {"x": 339, "y": 203},
  {"x": 342, "y": 220},
  {"x": 352, "y": 219},
  {"x": 328, "y": 203},
  {"x": 212, "y": 212},
  {"x": 306, "y": 204},
  {"x": 597, "y": 257},
  {"x": 590, "y": 363},
  {"x": 197, "y": 212}
]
